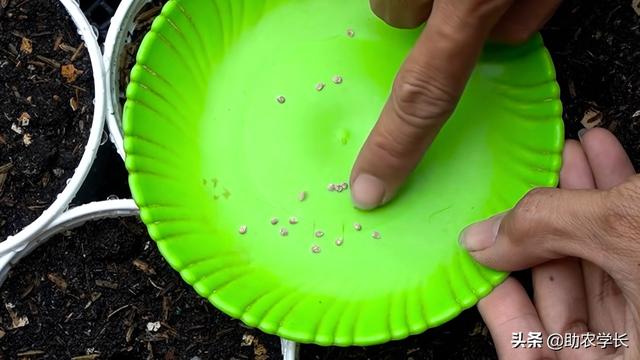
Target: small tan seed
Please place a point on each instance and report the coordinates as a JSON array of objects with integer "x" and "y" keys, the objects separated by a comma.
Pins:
[
  {"x": 319, "y": 233},
  {"x": 351, "y": 33},
  {"x": 284, "y": 232},
  {"x": 302, "y": 196},
  {"x": 315, "y": 249},
  {"x": 339, "y": 188},
  {"x": 357, "y": 226},
  {"x": 274, "y": 221},
  {"x": 293, "y": 220},
  {"x": 337, "y": 79},
  {"x": 339, "y": 242},
  {"x": 376, "y": 235},
  {"x": 345, "y": 186},
  {"x": 331, "y": 187},
  {"x": 243, "y": 229},
  {"x": 320, "y": 86},
  {"x": 281, "y": 99}
]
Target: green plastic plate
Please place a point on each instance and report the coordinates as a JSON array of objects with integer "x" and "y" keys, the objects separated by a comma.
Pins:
[{"x": 211, "y": 147}]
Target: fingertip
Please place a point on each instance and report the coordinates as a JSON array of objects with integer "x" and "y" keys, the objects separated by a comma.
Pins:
[
  {"x": 607, "y": 158},
  {"x": 575, "y": 173},
  {"x": 482, "y": 235},
  {"x": 367, "y": 192},
  {"x": 599, "y": 140}
]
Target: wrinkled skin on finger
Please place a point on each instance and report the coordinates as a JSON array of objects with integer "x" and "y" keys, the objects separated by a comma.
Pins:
[
  {"x": 583, "y": 242},
  {"x": 431, "y": 80}
]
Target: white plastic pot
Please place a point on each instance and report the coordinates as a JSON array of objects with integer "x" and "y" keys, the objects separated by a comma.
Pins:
[
  {"x": 119, "y": 34},
  {"x": 290, "y": 349},
  {"x": 68, "y": 220},
  {"x": 63, "y": 199}
]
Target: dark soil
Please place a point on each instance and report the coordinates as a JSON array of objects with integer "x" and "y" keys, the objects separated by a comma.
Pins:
[
  {"x": 596, "y": 48},
  {"x": 464, "y": 338},
  {"x": 95, "y": 289},
  {"x": 143, "y": 21},
  {"x": 45, "y": 80}
]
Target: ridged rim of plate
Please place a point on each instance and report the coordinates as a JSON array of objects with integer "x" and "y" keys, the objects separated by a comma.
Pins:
[{"x": 327, "y": 325}]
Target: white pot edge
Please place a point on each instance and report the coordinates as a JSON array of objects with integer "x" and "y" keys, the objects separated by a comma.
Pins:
[
  {"x": 93, "y": 211},
  {"x": 68, "y": 220},
  {"x": 63, "y": 199},
  {"x": 121, "y": 25}
]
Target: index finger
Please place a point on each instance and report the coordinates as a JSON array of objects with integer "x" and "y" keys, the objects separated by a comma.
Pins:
[{"x": 424, "y": 95}]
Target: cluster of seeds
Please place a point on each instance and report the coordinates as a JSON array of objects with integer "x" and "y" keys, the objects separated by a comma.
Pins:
[
  {"x": 337, "y": 79},
  {"x": 338, "y": 187},
  {"x": 318, "y": 233}
]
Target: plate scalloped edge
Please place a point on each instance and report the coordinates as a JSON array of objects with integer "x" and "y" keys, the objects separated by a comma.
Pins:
[{"x": 271, "y": 309}]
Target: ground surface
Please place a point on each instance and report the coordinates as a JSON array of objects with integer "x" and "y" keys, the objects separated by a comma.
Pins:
[
  {"x": 595, "y": 47},
  {"x": 96, "y": 289},
  {"x": 46, "y": 107}
]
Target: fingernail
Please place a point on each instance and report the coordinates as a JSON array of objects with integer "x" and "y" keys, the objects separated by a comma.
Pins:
[
  {"x": 367, "y": 192},
  {"x": 482, "y": 235},
  {"x": 582, "y": 132}
]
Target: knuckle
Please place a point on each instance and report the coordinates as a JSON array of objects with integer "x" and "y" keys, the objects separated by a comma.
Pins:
[
  {"x": 622, "y": 219},
  {"x": 393, "y": 149},
  {"x": 474, "y": 12},
  {"x": 421, "y": 102},
  {"x": 528, "y": 217},
  {"x": 532, "y": 203}
]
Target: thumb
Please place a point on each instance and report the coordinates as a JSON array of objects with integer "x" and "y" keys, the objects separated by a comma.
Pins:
[
  {"x": 424, "y": 95},
  {"x": 547, "y": 224}
]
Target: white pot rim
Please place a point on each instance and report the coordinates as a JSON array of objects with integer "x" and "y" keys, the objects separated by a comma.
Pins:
[
  {"x": 86, "y": 32},
  {"x": 68, "y": 220},
  {"x": 77, "y": 217},
  {"x": 119, "y": 29}
]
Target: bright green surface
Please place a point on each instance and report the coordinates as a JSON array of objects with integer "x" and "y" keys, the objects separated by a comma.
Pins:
[{"x": 210, "y": 149}]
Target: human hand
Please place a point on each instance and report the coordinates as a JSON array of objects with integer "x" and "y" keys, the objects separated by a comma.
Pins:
[
  {"x": 584, "y": 246},
  {"x": 432, "y": 79}
]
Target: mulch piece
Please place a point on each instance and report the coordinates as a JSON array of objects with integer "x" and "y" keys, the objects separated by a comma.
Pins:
[{"x": 46, "y": 107}]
